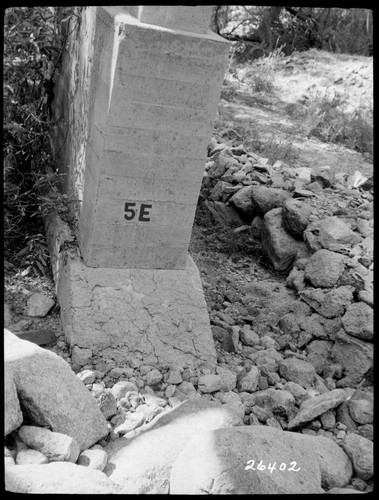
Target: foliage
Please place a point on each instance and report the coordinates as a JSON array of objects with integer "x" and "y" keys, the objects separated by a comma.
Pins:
[
  {"x": 33, "y": 44},
  {"x": 256, "y": 30},
  {"x": 325, "y": 117}
]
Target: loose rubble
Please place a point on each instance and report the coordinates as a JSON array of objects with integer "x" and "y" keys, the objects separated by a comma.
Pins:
[{"x": 293, "y": 381}]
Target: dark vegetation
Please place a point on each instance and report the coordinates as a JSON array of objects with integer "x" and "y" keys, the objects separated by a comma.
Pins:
[{"x": 34, "y": 39}]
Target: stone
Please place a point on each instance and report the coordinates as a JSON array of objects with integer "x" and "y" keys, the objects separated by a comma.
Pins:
[
  {"x": 93, "y": 458},
  {"x": 226, "y": 461},
  {"x": 224, "y": 214},
  {"x": 107, "y": 404},
  {"x": 330, "y": 304},
  {"x": 265, "y": 199},
  {"x": 174, "y": 376},
  {"x": 277, "y": 402},
  {"x": 51, "y": 393},
  {"x": 366, "y": 431},
  {"x": 324, "y": 268},
  {"x": 122, "y": 387},
  {"x": 153, "y": 377},
  {"x": 268, "y": 356},
  {"x": 30, "y": 456},
  {"x": 324, "y": 175},
  {"x": 248, "y": 337},
  {"x": 57, "y": 477},
  {"x": 130, "y": 422},
  {"x": 186, "y": 387},
  {"x": 361, "y": 452},
  {"x": 256, "y": 227},
  {"x": 233, "y": 400},
  {"x": 334, "y": 232},
  {"x": 355, "y": 355},
  {"x": 247, "y": 379},
  {"x": 361, "y": 411},
  {"x": 318, "y": 354},
  {"x": 297, "y": 391},
  {"x": 343, "y": 417},
  {"x": 316, "y": 406},
  {"x": 87, "y": 376},
  {"x": 142, "y": 462},
  {"x": 57, "y": 447},
  {"x": 12, "y": 415},
  {"x": 358, "y": 320},
  {"x": 242, "y": 201},
  {"x": 210, "y": 383},
  {"x": 280, "y": 247},
  {"x": 328, "y": 419},
  {"x": 80, "y": 356},
  {"x": 228, "y": 377},
  {"x": 7, "y": 315},
  {"x": 38, "y": 305},
  {"x": 269, "y": 343},
  {"x": 295, "y": 217},
  {"x": 296, "y": 370}
]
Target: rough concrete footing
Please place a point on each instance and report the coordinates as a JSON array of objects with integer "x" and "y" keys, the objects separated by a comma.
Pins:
[{"x": 156, "y": 315}]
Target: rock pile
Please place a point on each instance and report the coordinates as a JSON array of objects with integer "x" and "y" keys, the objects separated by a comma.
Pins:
[
  {"x": 130, "y": 429},
  {"x": 316, "y": 226}
]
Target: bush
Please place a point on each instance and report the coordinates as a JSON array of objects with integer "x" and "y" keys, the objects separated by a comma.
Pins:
[{"x": 32, "y": 49}]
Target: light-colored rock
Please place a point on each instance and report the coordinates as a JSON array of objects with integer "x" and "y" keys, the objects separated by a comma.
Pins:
[
  {"x": 316, "y": 406},
  {"x": 57, "y": 447},
  {"x": 12, "y": 415},
  {"x": 248, "y": 337},
  {"x": 80, "y": 355},
  {"x": 358, "y": 320},
  {"x": 324, "y": 268},
  {"x": 361, "y": 411},
  {"x": 247, "y": 379},
  {"x": 130, "y": 422},
  {"x": 86, "y": 376},
  {"x": 93, "y": 458},
  {"x": 295, "y": 217},
  {"x": 51, "y": 393},
  {"x": 324, "y": 175},
  {"x": 233, "y": 400},
  {"x": 280, "y": 247},
  {"x": 210, "y": 383},
  {"x": 361, "y": 452},
  {"x": 39, "y": 305},
  {"x": 318, "y": 354},
  {"x": 28, "y": 457},
  {"x": 153, "y": 377},
  {"x": 264, "y": 199},
  {"x": 218, "y": 462},
  {"x": 268, "y": 356},
  {"x": 297, "y": 391},
  {"x": 142, "y": 461},
  {"x": 296, "y": 370},
  {"x": 57, "y": 477},
  {"x": 122, "y": 387},
  {"x": 328, "y": 419}
]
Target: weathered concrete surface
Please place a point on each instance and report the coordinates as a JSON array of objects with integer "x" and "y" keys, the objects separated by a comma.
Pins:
[
  {"x": 118, "y": 313},
  {"x": 151, "y": 98}
]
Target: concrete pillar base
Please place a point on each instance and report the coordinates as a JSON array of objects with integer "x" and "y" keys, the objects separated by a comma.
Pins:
[{"x": 156, "y": 315}]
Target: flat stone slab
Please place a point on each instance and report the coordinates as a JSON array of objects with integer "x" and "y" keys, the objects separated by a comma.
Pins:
[{"x": 158, "y": 314}]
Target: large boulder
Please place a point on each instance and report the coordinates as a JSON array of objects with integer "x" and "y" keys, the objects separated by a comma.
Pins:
[
  {"x": 280, "y": 247},
  {"x": 324, "y": 268},
  {"x": 13, "y": 414},
  {"x": 249, "y": 460},
  {"x": 141, "y": 461},
  {"x": 258, "y": 200},
  {"x": 50, "y": 392},
  {"x": 57, "y": 477},
  {"x": 297, "y": 370}
]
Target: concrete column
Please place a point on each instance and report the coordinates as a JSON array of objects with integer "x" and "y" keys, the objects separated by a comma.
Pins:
[{"x": 155, "y": 87}]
